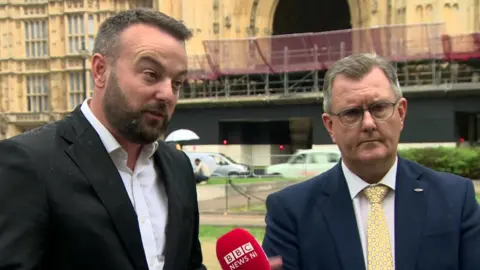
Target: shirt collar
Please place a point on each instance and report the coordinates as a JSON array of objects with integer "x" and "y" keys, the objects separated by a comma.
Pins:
[
  {"x": 111, "y": 144},
  {"x": 356, "y": 184}
]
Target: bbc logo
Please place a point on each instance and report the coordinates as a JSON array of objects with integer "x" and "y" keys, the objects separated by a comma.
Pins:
[{"x": 238, "y": 253}]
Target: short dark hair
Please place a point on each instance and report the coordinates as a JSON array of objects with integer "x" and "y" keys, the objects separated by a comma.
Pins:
[
  {"x": 197, "y": 160},
  {"x": 106, "y": 41}
]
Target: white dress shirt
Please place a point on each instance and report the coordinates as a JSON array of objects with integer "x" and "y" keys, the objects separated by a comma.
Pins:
[
  {"x": 146, "y": 191},
  {"x": 361, "y": 204}
]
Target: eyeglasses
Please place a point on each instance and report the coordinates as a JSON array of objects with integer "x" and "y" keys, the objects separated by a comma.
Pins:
[{"x": 380, "y": 111}]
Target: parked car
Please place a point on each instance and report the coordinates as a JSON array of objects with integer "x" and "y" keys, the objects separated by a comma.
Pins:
[
  {"x": 305, "y": 163},
  {"x": 219, "y": 164}
]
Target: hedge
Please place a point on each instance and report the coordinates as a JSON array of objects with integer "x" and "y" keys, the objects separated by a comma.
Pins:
[{"x": 460, "y": 161}]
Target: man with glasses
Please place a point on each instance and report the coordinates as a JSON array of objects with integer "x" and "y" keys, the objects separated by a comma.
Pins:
[{"x": 374, "y": 210}]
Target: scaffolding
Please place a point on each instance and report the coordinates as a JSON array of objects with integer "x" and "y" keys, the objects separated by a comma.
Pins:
[{"x": 288, "y": 64}]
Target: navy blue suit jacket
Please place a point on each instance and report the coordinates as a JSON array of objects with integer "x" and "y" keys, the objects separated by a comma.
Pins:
[{"x": 312, "y": 225}]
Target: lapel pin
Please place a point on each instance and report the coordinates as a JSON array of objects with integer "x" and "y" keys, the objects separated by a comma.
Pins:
[{"x": 418, "y": 189}]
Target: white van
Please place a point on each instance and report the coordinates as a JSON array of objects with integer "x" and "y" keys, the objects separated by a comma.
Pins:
[{"x": 219, "y": 164}]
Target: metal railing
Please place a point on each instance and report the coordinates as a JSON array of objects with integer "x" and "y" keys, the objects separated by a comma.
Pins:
[
  {"x": 412, "y": 75},
  {"x": 248, "y": 196}
]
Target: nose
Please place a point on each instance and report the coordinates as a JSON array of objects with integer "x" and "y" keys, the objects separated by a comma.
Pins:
[
  {"x": 368, "y": 123},
  {"x": 165, "y": 90}
]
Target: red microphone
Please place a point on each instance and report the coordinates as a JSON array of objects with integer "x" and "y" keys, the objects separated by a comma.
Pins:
[{"x": 238, "y": 249}]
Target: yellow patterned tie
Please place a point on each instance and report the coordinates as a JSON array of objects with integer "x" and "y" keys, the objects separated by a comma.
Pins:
[{"x": 378, "y": 238}]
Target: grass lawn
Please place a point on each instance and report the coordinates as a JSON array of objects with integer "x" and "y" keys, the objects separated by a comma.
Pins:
[
  {"x": 214, "y": 232},
  {"x": 222, "y": 180},
  {"x": 478, "y": 197},
  {"x": 208, "y": 238}
]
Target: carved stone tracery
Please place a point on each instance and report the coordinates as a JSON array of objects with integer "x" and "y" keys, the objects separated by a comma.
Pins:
[{"x": 3, "y": 126}]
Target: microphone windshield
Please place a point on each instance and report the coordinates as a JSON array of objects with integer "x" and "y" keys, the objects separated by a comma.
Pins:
[{"x": 238, "y": 249}]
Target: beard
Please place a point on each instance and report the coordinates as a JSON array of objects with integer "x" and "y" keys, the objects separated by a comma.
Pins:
[{"x": 129, "y": 122}]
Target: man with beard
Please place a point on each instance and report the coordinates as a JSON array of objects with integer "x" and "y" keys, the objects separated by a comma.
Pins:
[{"x": 97, "y": 190}]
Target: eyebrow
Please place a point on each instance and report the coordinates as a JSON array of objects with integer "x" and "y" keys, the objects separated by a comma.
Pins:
[
  {"x": 183, "y": 73},
  {"x": 159, "y": 65},
  {"x": 151, "y": 60}
]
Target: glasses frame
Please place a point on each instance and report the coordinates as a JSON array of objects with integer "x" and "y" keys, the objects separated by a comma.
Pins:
[{"x": 368, "y": 108}]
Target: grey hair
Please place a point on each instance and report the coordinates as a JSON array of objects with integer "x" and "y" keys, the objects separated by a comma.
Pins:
[
  {"x": 356, "y": 66},
  {"x": 106, "y": 41}
]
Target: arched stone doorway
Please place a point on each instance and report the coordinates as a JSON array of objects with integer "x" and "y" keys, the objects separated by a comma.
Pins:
[
  {"x": 348, "y": 14},
  {"x": 307, "y": 16}
]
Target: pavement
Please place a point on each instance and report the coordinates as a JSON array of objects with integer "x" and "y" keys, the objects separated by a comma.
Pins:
[
  {"x": 220, "y": 211},
  {"x": 221, "y": 204},
  {"x": 233, "y": 220},
  {"x": 212, "y": 212},
  {"x": 209, "y": 256},
  {"x": 476, "y": 183},
  {"x": 210, "y": 192}
]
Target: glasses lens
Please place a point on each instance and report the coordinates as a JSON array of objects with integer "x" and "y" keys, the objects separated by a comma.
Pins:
[
  {"x": 351, "y": 117},
  {"x": 382, "y": 110}
]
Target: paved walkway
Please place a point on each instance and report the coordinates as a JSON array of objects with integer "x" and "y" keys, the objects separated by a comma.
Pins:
[
  {"x": 476, "y": 183},
  {"x": 233, "y": 220},
  {"x": 209, "y": 192},
  {"x": 209, "y": 256},
  {"x": 219, "y": 205},
  {"x": 211, "y": 211}
]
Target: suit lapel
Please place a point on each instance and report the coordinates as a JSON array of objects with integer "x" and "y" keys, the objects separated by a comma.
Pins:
[
  {"x": 410, "y": 211},
  {"x": 340, "y": 216},
  {"x": 165, "y": 162},
  {"x": 88, "y": 153}
]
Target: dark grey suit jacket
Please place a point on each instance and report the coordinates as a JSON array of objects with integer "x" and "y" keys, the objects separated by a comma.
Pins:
[{"x": 63, "y": 205}]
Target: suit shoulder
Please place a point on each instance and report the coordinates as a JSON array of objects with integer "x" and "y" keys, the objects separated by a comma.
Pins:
[
  {"x": 299, "y": 199},
  {"x": 177, "y": 155},
  {"x": 171, "y": 149},
  {"x": 441, "y": 177},
  {"x": 297, "y": 188},
  {"x": 38, "y": 138},
  {"x": 447, "y": 182},
  {"x": 34, "y": 148}
]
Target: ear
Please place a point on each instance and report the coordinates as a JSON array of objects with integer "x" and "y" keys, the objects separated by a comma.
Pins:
[
  {"x": 100, "y": 70},
  {"x": 402, "y": 110},
  {"x": 328, "y": 123}
]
